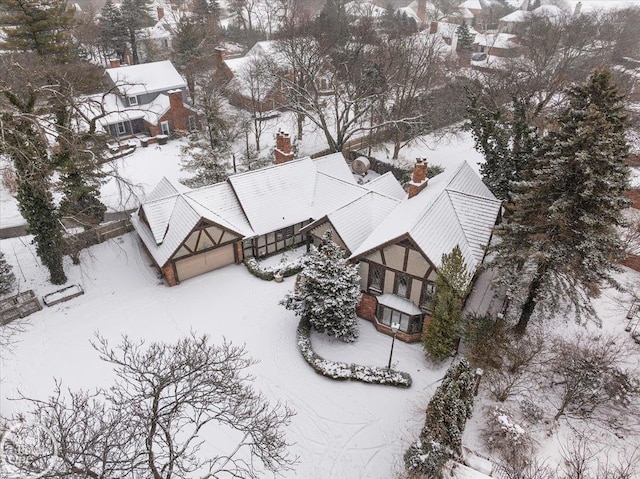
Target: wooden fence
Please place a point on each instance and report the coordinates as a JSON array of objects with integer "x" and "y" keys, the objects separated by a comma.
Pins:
[{"x": 18, "y": 306}]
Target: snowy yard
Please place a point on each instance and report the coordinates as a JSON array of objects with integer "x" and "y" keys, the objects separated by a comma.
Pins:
[{"x": 342, "y": 429}]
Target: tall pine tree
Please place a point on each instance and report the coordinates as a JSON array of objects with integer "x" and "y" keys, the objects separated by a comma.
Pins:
[
  {"x": 113, "y": 33},
  {"x": 442, "y": 332},
  {"x": 327, "y": 292},
  {"x": 465, "y": 39},
  {"x": 561, "y": 244},
  {"x": 446, "y": 418}
]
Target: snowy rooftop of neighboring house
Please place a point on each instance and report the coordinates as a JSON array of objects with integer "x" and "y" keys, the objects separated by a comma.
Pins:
[
  {"x": 455, "y": 208},
  {"x": 550, "y": 12},
  {"x": 496, "y": 40},
  {"x": 363, "y": 9},
  {"x": 409, "y": 12},
  {"x": 517, "y": 16},
  {"x": 448, "y": 30},
  {"x": 464, "y": 13},
  {"x": 116, "y": 112},
  {"x": 146, "y": 78},
  {"x": 478, "y": 4}
]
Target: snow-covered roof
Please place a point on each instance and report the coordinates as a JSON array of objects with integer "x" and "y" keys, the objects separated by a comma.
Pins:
[
  {"x": 516, "y": 17},
  {"x": 110, "y": 109},
  {"x": 358, "y": 8},
  {"x": 399, "y": 304},
  {"x": 249, "y": 204},
  {"x": 409, "y": 12},
  {"x": 496, "y": 40},
  {"x": 388, "y": 185},
  {"x": 146, "y": 78},
  {"x": 455, "y": 208},
  {"x": 551, "y": 12}
]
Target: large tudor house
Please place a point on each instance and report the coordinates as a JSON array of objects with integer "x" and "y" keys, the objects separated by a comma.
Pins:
[
  {"x": 396, "y": 239},
  {"x": 146, "y": 99}
]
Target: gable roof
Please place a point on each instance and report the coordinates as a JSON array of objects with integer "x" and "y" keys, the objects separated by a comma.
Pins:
[
  {"x": 146, "y": 78},
  {"x": 455, "y": 208}
]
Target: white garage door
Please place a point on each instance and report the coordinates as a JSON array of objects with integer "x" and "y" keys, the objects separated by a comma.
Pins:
[{"x": 203, "y": 262}]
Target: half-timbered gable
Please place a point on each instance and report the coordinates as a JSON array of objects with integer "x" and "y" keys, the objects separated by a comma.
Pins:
[{"x": 397, "y": 240}]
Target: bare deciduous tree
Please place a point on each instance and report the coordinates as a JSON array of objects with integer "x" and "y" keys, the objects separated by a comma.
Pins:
[{"x": 153, "y": 421}]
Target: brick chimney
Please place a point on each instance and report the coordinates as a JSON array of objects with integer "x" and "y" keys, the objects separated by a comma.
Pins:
[
  {"x": 220, "y": 56},
  {"x": 176, "y": 102},
  {"x": 160, "y": 11},
  {"x": 419, "y": 179},
  {"x": 422, "y": 12},
  {"x": 283, "y": 151},
  {"x": 433, "y": 28},
  {"x": 114, "y": 63}
]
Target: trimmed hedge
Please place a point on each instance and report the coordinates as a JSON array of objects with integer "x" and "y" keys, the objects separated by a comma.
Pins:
[
  {"x": 344, "y": 371},
  {"x": 268, "y": 273}
]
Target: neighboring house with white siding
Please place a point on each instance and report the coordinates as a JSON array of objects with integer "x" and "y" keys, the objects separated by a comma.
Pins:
[{"x": 397, "y": 239}]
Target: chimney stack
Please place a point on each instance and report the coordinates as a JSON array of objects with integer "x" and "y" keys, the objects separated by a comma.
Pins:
[
  {"x": 433, "y": 28},
  {"x": 160, "y": 11},
  {"x": 419, "y": 179},
  {"x": 115, "y": 63},
  {"x": 283, "y": 148},
  {"x": 176, "y": 100},
  {"x": 422, "y": 13}
]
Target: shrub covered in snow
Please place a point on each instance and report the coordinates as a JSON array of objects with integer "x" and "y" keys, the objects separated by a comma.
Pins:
[
  {"x": 267, "y": 273},
  {"x": 328, "y": 292},
  {"x": 341, "y": 370},
  {"x": 427, "y": 457},
  {"x": 446, "y": 418},
  {"x": 505, "y": 436}
]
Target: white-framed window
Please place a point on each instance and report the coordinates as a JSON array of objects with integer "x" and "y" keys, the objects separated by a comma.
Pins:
[
  {"x": 407, "y": 324},
  {"x": 121, "y": 127},
  {"x": 133, "y": 100},
  {"x": 428, "y": 296},
  {"x": 164, "y": 127}
]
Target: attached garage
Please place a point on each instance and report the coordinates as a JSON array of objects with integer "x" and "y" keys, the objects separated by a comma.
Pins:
[{"x": 203, "y": 262}]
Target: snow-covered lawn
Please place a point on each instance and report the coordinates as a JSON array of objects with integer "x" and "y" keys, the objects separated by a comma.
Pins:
[{"x": 342, "y": 429}]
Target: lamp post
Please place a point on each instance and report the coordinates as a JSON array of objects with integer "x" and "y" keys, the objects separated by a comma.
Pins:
[{"x": 394, "y": 329}]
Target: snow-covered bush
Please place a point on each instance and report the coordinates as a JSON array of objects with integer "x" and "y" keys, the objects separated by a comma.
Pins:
[
  {"x": 328, "y": 292},
  {"x": 426, "y": 457},
  {"x": 341, "y": 370},
  {"x": 267, "y": 273},
  {"x": 7, "y": 278},
  {"x": 505, "y": 436},
  {"x": 531, "y": 411}
]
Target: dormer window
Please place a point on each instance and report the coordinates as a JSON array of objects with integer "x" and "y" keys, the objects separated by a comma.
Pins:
[{"x": 133, "y": 100}]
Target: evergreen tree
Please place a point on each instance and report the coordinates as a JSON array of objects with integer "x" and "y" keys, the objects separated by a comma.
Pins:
[
  {"x": 452, "y": 285},
  {"x": 446, "y": 418},
  {"x": 327, "y": 292},
  {"x": 7, "y": 278},
  {"x": 332, "y": 28},
  {"x": 135, "y": 17},
  {"x": 207, "y": 154},
  {"x": 560, "y": 244},
  {"x": 504, "y": 138},
  {"x": 40, "y": 26},
  {"x": 465, "y": 39},
  {"x": 113, "y": 33}
]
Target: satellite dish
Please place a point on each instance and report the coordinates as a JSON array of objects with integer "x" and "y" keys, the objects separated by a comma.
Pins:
[{"x": 361, "y": 165}]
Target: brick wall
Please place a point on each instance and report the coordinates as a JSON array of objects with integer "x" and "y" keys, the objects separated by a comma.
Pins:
[
  {"x": 178, "y": 113},
  {"x": 169, "y": 274},
  {"x": 366, "y": 309}
]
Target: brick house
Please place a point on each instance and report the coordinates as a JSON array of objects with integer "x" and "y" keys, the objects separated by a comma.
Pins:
[
  {"x": 396, "y": 239},
  {"x": 147, "y": 99}
]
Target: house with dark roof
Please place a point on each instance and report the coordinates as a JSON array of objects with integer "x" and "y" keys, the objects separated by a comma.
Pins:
[{"x": 397, "y": 239}]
